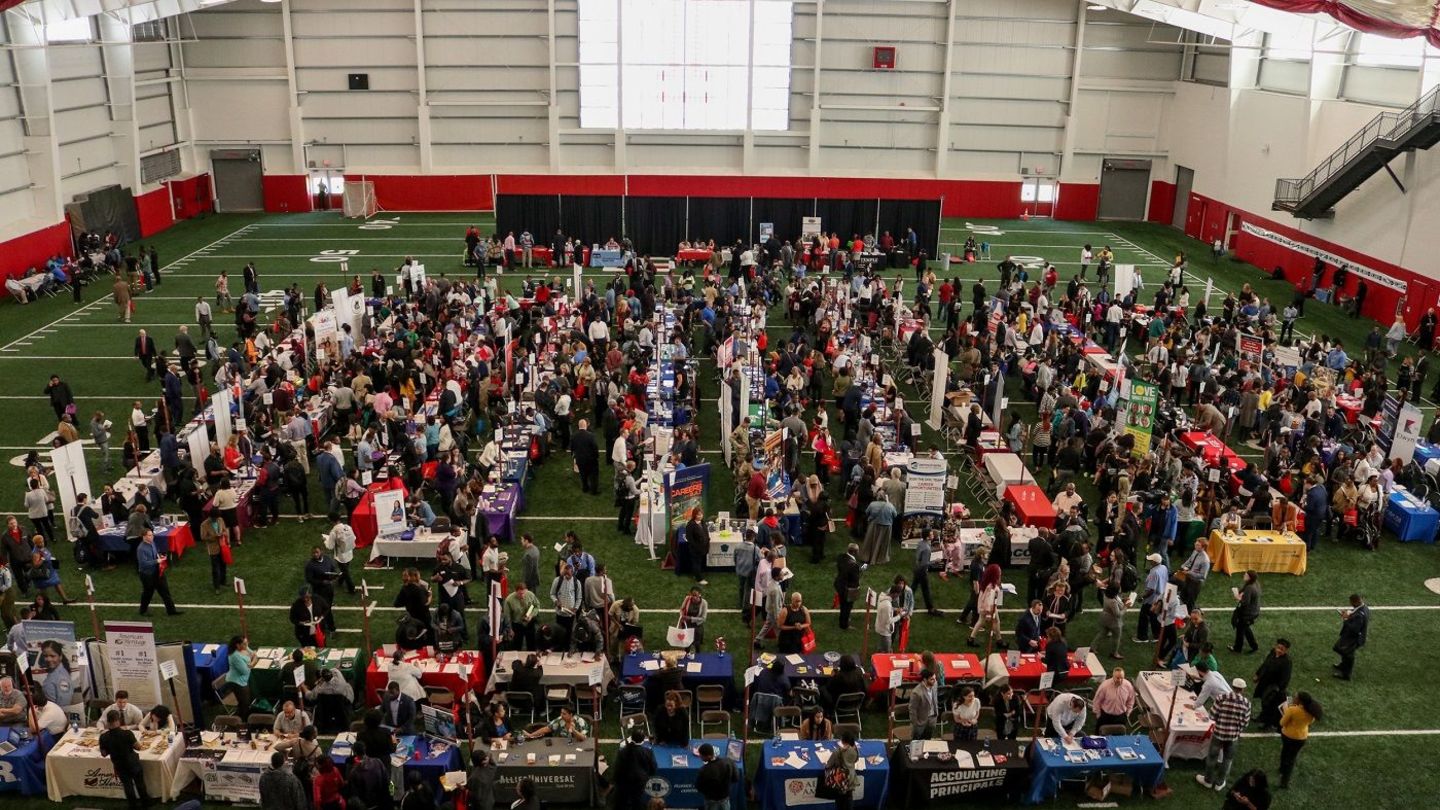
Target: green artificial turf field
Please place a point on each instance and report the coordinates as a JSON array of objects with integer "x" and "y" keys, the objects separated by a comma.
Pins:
[{"x": 1357, "y": 747}]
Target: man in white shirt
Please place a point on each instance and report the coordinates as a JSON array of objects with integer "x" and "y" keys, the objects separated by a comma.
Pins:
[
  {"x": 130, "y": 714},
  {"x": 48, "y": 716},
  {"x": 341, "y": 544},
  {"x": 1066, "y": 715},
  {"x": 1212, "y": 684}
]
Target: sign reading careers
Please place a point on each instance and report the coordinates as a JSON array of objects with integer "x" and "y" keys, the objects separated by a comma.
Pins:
[
  {"x": 133, "y": 663},
  {"x": 1140, "y": 413},
  {"x": 925, "y": 485}
]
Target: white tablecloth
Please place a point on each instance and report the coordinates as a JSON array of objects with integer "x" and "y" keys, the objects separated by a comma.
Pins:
[
  {"x": 72, "y": 769},
  {"x": 234, "y": 778},
  {"x": 424, "y": 547},
  {"x": 1190, "y": 728},
  {"x": 1005, "y": 469},
  {"x": 561, "y": 669}
]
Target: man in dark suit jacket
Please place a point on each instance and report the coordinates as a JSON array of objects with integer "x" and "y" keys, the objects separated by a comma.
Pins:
[
  {"x": 1353, "y": 629},
  {"x": 397, "y": 710},
  {"x": 697, "y": 543},
  {"x": 147, "y": 354},
  {"x": 587, "y": 457},
  {"x": 847, "y": 582},
  {"x": 634, "y": 766},
  {"x": 1027, "y": 630}
]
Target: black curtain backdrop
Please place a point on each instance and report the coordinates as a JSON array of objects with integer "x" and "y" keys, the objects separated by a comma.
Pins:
[
  {"x": 655, "y": 224},
  {"x": 846, "y": 217},
  {"x": 786, "y": 215},
  {"x": 593, "y": 219},
  {"x": 537, "y": 213},
  {"x": 922, "y": 215},
  {"x": 723, "y": 219}
]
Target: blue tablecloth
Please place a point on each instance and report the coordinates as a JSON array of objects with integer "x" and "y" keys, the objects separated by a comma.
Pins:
[
  {"x": 607, "y": 258},
  {"x": 211, "y": 665},
  {"x": 431, "y": 768},
  {"x": 1411, "y": 520},
  {"x": 1425, "y": 452},
  {"x": 23, "y": 770},
  {"x": 716, "y": 669},
  {"x": 113, "y": 540},
  {"x": 676, "y": 783},
  {"x": 783, "y": 786},
  {"x": 1047, "y": 768},
  {"x": 514, "y": 469}
]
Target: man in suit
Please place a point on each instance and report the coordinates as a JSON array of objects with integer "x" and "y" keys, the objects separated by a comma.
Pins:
[
  {"x": 697, "y": 542},
  {"x": 847, "y": 582},
  {"x": 147, "y": 354},
  {"x": 924, "y": 706},
  {"x": 1354, "y": 626},
  {"x": 634, "y": 766},
  {"x": 1027, "y": 630},
  {"x": 1042, "y": 562},
  {"x": 587, "y": 457},
  {"x": 397, "y": 710}
]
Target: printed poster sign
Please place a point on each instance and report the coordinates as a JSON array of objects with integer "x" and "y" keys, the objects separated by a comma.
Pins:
[
  {"x": 1407, "y": 432},
  {"x": 925, "y": 490},
  {"x": 1140, "y": 413},
  {"x": 133, "y": 663},
  {"x": 685, "y": 490},
  {"x": 389, "y": 512},
  {"x": 232, "y": 783}
]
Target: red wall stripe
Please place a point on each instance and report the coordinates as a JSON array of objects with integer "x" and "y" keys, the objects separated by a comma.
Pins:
[
  {"x": 1076, "y": 201},
  {"x": 33, "y": 250},
  {"x": 438, "y": 192},
  {"x": 154, "y": 212},
  {"x": 1162, "y": 202},
  {"x": 286, "y": 193}
]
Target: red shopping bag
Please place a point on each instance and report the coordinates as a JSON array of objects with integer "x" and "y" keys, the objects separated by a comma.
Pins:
[
  {"x": 807, "y": 641},
  {"x": 225, "y": 553}
]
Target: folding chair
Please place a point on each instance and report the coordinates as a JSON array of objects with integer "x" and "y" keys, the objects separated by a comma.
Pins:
[
  {"x": 592, "y": 697},
  {"x": 805, "y": 698},
  {"x": 838, "y": 729},
  {"x": 226, "y": 722},
  {"x": 714, "y": 718},
  {"x": 260, "y": 722},
  {"x": 848, "y": 706},
  {"x": 629, "y": 721},
  {"x": 784, "y": 718},
  {"x": 709, "y": 697},
  {"x": 900, "y": 728},
  {"x": 633, "y": 699},
  {"x": 556, "y": 698},
  {"x": 519, "y": 702}
]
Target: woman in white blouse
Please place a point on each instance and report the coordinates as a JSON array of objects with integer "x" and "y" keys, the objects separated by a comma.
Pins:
[{"x": 967, "y": 715}]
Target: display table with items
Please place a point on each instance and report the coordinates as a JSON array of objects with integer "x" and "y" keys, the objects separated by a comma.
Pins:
[
  {"x": 171, "y": 537},
  {"x": 789, "y": 770},
  {"x": 22, "y": 767},
  {"x": 1410, "y": 518},
  {"x": 1031, "y": 505},
  {"x": 1211, "y": 449},
  {"x": 563, "y": 770},
  {"x": 211, "y": 660},
  {"x": 227, "y": 766},
  {"x": 700, "y": 669},
  {"x": 726, "y": 534},
  {"x": 559, "y": 669},
  {"x": 1264, "y": 551},
  {"x": 1023, "y": 670},
  {"x": 676, "y": 769},
  {"x": 74, "y": 767},
  {"x": 959, "y": 668},
  {"x": 1051, "y": 761},
  {"x": 416, "y": 544},
  {"x": 810, "y": 670},
  {"x": 459, "y": 671},
  {"x": 362, "y": 517},
  {"x": 926, "y": 771},
  {"x": 497, "y": 509},
  {"x": 432, "y": 757},
  {"x": 266, "y": 674},
  {"x": 1188, "y": 727},
  {"x": 1005, "y": 469}
]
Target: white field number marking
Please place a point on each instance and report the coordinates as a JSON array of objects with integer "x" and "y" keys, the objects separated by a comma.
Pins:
[
  {"x": 380, "y": 224},
  {"x": 334, "y": 255}
]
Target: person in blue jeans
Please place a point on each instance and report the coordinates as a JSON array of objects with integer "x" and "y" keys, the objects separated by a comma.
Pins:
[
  {"x": 716, "y": 779},
  {"x": 1168, "y": 518}
]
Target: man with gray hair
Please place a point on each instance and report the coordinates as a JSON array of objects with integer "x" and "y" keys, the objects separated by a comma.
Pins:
[{"x": 12, "y": 704}]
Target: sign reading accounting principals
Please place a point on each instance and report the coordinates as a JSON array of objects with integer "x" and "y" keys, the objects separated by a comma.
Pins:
[{"x": 1330, "y": 258}]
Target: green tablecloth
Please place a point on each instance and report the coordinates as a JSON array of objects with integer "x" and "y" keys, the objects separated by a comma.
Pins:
[
  {"x": 1190, "y": 531},
  {"x": 265, "y": 682}
]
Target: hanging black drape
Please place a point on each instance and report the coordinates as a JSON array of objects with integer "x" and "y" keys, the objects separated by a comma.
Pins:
[
  {"x": 896, "y": 216},
  {"x": 785, "y": 214},
  {"x": 537, "y": 213},
  {"x": 655, "y": 224},
  {"x": 724, "y": 220},
  {"x": 593, "y": 219},
  {"x": 848, "y": 218}
]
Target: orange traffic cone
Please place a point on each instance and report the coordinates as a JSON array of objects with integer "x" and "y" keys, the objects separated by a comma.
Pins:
[{"x": 1025, "y": 215}]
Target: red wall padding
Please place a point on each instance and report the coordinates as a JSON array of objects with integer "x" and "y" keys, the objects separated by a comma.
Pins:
[
  {"x": 438, "y": 192},
  {"x": 1077, "y": 201},
  {"x": 154, "y": 211},
  {"x": 33, "y": 250},
  {"x": 286, "y": 193},
  {"x": 1162, "y": 202},
  {"x": 192, "y": 196}
]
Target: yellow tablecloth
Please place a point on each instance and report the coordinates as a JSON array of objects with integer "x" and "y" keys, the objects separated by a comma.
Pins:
[{"x": 1266, "y": 552}]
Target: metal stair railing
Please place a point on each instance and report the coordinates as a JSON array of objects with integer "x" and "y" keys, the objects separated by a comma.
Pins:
[{"x": 1391, "y": 127}]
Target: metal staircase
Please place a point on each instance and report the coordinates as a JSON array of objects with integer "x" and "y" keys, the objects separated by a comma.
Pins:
[{"x": 1368, "y": 151}]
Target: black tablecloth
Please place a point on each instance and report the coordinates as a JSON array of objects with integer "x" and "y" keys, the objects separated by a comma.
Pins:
[{"x": 922, "y": 781}]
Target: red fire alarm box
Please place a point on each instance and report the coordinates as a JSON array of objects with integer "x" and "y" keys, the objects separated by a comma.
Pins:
[{"x": 884, "y": 57}]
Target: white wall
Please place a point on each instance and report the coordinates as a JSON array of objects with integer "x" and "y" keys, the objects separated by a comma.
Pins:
[{"x": 483, "y": 100}]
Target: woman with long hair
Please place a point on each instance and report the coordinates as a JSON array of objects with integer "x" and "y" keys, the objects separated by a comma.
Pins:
[
  {"x": 1295, "y": 722},
  {"x": 988, "y": 605}
]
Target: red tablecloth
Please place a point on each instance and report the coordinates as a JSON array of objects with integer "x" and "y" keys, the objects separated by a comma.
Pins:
[
  {"x": 181, "y": 539},
  {"x": 541, "y": 254},
  {"x": 693, "y": 255},
  {"x": 1027, "y": 675},
  {"x": 1210, "y": 448},
  {"x": 362, "y": 520},
  {"x": 1351, "y": 406},
  {"x": 376, "y": 678},
  {"x": 958, "y": 667},
  {"x": 1033, "y": 507}
]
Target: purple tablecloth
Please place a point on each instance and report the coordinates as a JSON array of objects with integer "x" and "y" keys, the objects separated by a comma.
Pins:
[{"x": 499, "y": 510}]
